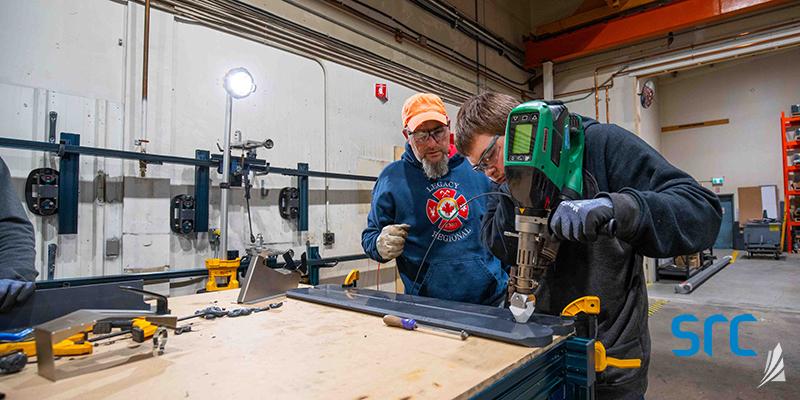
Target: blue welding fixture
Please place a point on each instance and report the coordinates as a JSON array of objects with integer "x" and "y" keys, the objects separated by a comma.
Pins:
[
  {"x": 201, "y": 192},
  {"x": 69, "y": 179},
  {"x": 302, "y": 187}
]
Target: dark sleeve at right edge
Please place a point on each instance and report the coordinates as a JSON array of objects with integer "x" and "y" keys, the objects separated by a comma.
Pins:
[{"x": 661, "y": 210}]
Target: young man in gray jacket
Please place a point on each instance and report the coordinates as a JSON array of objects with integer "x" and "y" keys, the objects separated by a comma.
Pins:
[{"x": 660, "y": 211}]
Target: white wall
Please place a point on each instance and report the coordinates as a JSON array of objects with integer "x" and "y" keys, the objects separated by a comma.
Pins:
[
  {"x": 751, "y": 94},
  {"x": 83, "y": 60}
]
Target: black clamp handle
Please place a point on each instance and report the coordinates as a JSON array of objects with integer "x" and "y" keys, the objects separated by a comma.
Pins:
[{"x": 161, "y": 300}]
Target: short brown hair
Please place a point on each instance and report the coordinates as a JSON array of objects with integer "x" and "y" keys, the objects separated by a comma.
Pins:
[{"x": 485, "y": 113}]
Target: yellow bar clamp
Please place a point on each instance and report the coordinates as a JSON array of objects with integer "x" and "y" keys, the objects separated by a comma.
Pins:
[
  {"x": 74, "y": 345},
  {"x": 351, "y": 279},
  {"x": 586, "y": 304},
  {"x": 142, "y": 329},
  {"x": 601, "y": 361},
  {"x": 590, "y": 305},
  {"x": 222, "y": 269}
]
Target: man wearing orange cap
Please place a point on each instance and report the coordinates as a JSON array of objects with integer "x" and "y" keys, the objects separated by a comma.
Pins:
[{"x": 425, "y": 197}]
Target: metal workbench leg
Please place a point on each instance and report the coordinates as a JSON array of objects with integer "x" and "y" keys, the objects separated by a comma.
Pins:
[{"x": 580, "y": 377}]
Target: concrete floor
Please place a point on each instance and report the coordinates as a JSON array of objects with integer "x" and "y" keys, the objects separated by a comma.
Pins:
[{"x": 767, "y": 289}]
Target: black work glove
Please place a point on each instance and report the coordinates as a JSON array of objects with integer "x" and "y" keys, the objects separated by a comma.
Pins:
[
  {"x": 581, "y": 220},
  {"x": 14, "y": 292}
]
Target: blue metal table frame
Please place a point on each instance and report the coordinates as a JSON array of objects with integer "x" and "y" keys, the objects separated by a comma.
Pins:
[{"x": 565, "y": 371}]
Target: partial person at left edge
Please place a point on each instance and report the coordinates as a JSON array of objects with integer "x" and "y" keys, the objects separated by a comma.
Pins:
[{"x": 17, "y": 246}]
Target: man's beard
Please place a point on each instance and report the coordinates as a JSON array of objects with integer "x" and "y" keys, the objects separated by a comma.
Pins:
[{"x": 436, "y": 170}]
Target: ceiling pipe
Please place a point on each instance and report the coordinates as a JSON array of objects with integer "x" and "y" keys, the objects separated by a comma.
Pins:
[
  {"x": 740, "y": 35},
  {"x": 459, "y": 21},
  {"x": 716, "y": 52},
  {"x": 433, "y": 46},
  {"x": 142, "y": 142}
]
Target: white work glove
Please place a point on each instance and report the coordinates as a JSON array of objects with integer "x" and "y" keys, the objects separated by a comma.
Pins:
[{"x": 391, "y": 240}]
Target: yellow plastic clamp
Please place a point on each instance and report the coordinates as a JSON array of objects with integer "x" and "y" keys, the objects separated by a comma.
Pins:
[
  {"x": 351, "y": 279},
  {"x": 587, "y": 304},
  {"x": 601, "y": 362},
  {"x": 222, "y": 269},
  {"x": 74, "y": 345}
]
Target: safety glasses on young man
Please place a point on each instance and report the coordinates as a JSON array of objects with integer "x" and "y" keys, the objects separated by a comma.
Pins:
[
  {"x": 437, "y": 134},
  {"x": 486, "y": 156}
]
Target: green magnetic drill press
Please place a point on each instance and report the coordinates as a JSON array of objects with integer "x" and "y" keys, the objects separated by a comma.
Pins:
[{"x": 544, "y": 165}]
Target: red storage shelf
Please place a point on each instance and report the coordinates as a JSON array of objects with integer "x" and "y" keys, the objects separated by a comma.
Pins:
[{"x": 788, "y": 146}]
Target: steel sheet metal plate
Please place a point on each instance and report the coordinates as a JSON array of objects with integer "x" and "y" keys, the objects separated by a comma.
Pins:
[{"x": 479, "y": 320}]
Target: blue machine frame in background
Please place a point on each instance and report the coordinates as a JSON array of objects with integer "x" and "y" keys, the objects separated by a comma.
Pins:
[
  {"x": 201, "y": 192},
  {"x": 70, "y": 150},
  {"x": 69, "y": 179}
]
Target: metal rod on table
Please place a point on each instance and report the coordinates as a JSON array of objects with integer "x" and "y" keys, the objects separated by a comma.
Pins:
[{"x": 224, "y": 186}]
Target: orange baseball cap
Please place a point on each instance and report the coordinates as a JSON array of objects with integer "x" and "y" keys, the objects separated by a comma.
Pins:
[{"x": 423, "y": 107}]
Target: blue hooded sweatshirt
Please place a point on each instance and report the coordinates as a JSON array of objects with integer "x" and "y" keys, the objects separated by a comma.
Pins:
[{"x": 458, "y": 266}]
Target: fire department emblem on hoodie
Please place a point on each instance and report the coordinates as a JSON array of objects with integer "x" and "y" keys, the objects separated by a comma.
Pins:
[{"x": 447, "y": 209}]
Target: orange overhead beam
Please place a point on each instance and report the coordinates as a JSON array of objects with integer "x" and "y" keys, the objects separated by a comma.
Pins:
[
  {"x": 589, "y": 16},
  {"x": 673, "y": 16}
]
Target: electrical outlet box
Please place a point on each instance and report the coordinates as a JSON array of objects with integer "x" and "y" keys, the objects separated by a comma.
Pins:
[{"x": 328, "y": 238}]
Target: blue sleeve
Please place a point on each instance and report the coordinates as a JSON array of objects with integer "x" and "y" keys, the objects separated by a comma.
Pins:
[{"x": 381, "y": 213}]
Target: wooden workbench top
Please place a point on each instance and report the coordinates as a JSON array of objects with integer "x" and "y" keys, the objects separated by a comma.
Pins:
[{"x": 301, "y": 350}]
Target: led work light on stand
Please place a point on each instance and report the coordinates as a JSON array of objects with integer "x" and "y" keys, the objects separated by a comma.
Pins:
[{"x": 239, "y": 84}]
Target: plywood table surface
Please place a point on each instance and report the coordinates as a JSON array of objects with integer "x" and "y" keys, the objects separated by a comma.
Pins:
[{"x": 301, "y": 350}]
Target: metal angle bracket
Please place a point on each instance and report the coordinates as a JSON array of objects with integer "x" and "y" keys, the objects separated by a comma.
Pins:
[
  {"x": 263, "y": 282},
  {"x": 52, "y": 332}
]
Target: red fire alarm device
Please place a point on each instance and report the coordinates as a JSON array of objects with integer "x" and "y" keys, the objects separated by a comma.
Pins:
[{"x": 380, "y": 91}]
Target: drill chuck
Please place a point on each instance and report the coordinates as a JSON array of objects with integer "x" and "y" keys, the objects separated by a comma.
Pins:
[{"x": 535, "y": 254}]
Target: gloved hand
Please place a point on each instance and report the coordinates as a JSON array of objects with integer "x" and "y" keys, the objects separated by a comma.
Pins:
[
  {"x": 13, "y": 292},
  {"x": 581, "y": 220},
  {"x": 391, "y": 240}
]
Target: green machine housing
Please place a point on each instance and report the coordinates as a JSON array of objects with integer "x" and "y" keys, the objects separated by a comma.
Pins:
[{"x": 543, "y": 154}]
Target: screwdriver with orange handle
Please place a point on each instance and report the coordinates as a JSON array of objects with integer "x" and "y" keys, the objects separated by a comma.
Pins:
[{"x": 412, "y": 325}]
